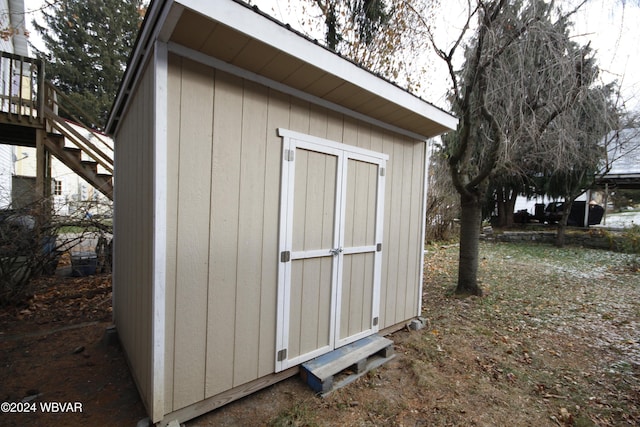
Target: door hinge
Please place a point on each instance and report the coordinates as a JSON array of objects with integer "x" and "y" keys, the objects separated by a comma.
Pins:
[
  {"x": 382, "y": 171},
  {"x": 285, "y": 256},
  {"x": 379, "y": 247},
  {"x": 289, "y": 155},
  {"x": 375, "y": 321},
  {"x": 282, "y": 355}
]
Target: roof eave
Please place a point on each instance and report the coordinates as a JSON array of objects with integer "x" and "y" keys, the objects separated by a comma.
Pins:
[
  {"x": 234, "y": 14},
  {"x": 163, "y": 15}
]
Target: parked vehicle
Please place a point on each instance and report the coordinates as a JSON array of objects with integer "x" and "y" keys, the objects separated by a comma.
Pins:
[{"x": 552, "y": 213}]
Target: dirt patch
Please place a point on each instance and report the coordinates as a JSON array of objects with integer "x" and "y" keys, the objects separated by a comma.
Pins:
[
  {"x": 553, "y": 343},
  {"x": 52, "y": 350}
]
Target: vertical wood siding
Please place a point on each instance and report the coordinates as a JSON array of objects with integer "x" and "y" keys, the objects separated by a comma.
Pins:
[
  {"x": 6, "y": 175},
  {"x": 133, "y": 222},
  {"x": 223, "y": 201}
]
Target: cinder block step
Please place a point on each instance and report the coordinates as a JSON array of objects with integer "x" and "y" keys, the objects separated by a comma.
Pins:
[{"x": 359, "y": 357}]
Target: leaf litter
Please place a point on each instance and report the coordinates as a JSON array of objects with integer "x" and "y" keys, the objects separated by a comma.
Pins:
[{"x": 554, "y": 342}]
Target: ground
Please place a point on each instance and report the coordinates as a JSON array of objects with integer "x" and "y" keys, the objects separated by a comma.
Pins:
[
  {"x": 553, "y": 343},
  {"x": 53, "y": 349}
]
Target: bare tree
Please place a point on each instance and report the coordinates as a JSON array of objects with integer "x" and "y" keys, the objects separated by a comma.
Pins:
[
  {"x": 521, "y": 73},
  {"x": 443, "y": 205},
  {"x": 32, "y": 238},
  {"x": 385, "y": 37}
]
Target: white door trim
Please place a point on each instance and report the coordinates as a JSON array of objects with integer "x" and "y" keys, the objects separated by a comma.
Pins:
[
  {"x": 292, "y": 140},
  {"x": 327, "y": 143}
]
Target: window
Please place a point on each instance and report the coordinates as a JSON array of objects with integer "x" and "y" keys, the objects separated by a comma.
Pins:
[{"x": 57, "y": 187}]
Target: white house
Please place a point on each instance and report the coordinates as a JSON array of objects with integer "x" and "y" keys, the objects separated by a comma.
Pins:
[
  {"x": 70, "y": 192},
  {"x": 14, "y": 41}
]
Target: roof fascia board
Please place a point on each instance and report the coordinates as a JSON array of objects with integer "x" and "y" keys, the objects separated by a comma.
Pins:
[
  {"x": 254, "y": 25},
  {"x": 257, "y": 78},
  {"x": 172, "y": 17},
  {"x": 113, "y": 125},
  {"x": 156, "y": 25}
]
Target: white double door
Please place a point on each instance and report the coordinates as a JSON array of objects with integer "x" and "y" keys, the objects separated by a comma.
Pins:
[{"x": 331, "y": 216}]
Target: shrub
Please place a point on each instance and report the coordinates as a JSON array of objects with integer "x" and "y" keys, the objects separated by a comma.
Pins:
[
  {"x": 630, "y": 241},
  {"x": 31, "y": 244}
]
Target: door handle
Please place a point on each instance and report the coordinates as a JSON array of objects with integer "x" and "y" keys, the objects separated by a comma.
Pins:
[{"x": 335, "y": 251}]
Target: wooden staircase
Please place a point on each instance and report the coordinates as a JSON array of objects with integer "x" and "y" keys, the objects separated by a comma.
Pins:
[
  {"x": 72, "y": 157},
  {"x": 85, "y": 151},
  {"x": 31, "y": 111}
]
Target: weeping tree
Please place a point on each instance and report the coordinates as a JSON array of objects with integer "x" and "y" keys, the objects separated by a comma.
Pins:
[
  {"x": 547, "y": 163},
  {"x": 576, "y": 146},
  {"x": 521, "y": 72},
  {"x": 553, "y": 73},
  {"x": 568, "y": 156}
]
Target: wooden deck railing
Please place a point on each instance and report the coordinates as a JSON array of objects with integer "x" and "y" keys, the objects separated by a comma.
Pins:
[
  {"x": 92, "y": 143},
  {"x": 21, "y": 87},
  {"x": 28, "y": 101}
]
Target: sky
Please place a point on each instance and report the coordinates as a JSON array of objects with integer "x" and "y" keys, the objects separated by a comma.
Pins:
[
  {"x": 612, "y": 29},
  {"x": 614, "y": 33},
  {"x": 610, "y": 26}
]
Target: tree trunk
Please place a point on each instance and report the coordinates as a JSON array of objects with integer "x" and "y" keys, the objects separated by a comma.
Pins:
[
  {"x": 470, "y": 222},
  {"x": 501, "y": 220},
  {"x": 506, "y": 202},
  {"x": 510, "y": 207},
  {"x": 562, "y": 224},
  {"x": 502, "y": 213}
]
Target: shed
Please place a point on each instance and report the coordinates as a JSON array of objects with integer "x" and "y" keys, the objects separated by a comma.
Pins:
[{"x": 269, "y": 204}]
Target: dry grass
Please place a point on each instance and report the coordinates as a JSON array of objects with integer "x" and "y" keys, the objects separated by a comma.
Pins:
[{"x": 553, "y": 343}]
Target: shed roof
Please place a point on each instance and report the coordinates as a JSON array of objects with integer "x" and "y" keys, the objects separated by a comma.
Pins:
[{"x": 241, "y": 38}]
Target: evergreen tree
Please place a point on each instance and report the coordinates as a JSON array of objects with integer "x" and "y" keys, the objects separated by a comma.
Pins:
[{"x": 88, "y": 43}]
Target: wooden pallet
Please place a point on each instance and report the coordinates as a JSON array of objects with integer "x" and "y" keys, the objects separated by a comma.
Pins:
[{"x": 353, "y": 360}]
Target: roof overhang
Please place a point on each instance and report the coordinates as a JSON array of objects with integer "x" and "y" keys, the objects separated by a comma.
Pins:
[
  {"x": 629, "y": 181},
  {"x": 239, "y": 37}
]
